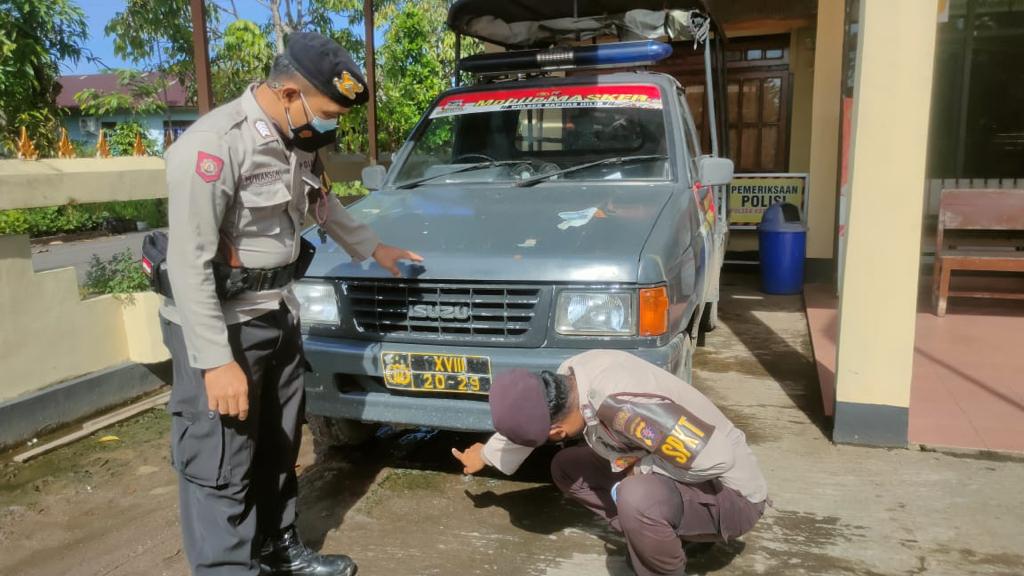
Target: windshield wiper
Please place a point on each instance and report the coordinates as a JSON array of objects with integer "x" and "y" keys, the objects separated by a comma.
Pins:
[
  {"x": 467, "y": 168},
  {"x": 616, "y": 160}
]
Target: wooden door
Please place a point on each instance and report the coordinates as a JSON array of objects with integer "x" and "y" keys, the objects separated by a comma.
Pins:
[
  {"x": 758, "y": 120},
  {"x": 757, "y": 99}
]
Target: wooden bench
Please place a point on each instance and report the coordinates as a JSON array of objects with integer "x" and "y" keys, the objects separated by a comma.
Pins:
[{"x": 978, "y": 230}]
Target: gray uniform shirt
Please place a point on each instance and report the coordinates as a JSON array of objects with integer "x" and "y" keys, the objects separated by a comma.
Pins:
[
  {"x": 602, "y": 373},
  {"x": 231, "y": 179}
]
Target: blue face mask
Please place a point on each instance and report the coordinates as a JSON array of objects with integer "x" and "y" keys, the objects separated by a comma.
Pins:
[
  {"x": 319, "y": 124},
  {"x": 314, "y": 134}
]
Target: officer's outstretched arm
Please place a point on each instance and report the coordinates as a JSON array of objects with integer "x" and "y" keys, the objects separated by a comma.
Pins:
[
  {"x": 360, "y": 241},
  {"x": 357, "y": 238}
]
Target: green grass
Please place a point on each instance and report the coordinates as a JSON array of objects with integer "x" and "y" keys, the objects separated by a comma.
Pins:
[
  {"x": 122, "y": 274},
  {"x": 72, "y": 218}
]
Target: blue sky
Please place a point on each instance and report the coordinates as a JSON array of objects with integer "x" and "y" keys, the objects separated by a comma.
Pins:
[{"x": 99, "y": 12}]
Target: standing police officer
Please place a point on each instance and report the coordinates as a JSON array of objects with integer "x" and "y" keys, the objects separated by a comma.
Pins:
[{"x": 240, "y": 181}]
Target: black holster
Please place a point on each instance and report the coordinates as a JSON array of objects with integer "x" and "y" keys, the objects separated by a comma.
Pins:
[
  {"x": 154, "y": 262},
  {"x": 229, "y": 281}
]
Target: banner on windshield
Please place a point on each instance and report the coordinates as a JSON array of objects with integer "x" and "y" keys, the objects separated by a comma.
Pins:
[{"x": 643, "y": 96}]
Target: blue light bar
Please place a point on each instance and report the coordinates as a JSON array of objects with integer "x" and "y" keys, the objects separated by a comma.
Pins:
[
  {"x": 617, "y": 54},
  {"x": 623, "y": 53}
]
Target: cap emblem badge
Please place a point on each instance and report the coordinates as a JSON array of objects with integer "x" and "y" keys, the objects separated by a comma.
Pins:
[{"x": 348, "y": 86}]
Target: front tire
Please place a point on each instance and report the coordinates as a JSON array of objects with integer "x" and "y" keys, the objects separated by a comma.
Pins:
[{"x": 332, "y": 433}]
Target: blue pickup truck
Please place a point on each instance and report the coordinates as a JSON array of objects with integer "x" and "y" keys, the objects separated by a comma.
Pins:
[{"x": 554, "y": 214}]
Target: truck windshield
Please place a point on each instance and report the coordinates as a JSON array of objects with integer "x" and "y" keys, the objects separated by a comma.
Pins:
[{"x": 505, "y": 135}]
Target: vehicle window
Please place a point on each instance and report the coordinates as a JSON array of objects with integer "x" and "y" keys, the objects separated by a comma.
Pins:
[
  {"x": 541, "y": 130},
  {"x": 536, "y": 131},
  {"x": 590, "y": 131},
  {"x": 433, "y": 148},
  {"x": 692, "y": 138}
]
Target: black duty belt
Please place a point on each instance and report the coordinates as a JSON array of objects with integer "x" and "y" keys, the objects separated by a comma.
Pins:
[
  {"x": 229, "y": 281},
  {"x": 233, "y": 281}
]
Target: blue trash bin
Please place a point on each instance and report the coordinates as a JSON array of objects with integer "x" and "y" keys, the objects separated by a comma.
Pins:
[{"x": 782, "y": 241}]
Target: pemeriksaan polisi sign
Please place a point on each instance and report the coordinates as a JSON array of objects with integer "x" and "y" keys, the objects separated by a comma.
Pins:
[{"x": 751, "y": 194}]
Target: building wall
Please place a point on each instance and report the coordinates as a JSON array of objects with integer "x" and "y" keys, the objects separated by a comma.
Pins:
[
  {"x": 83, "y": 180},
  {"x": 824, "y": 128},
  {"x": 154, "y": 124},
  {"x": 879, "y": 292},
  {"x": 801, "y": 65},
  {"x": 49, "y": 334}
]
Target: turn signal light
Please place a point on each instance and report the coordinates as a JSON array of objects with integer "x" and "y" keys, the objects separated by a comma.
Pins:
[{"x": 653, "y": 311}]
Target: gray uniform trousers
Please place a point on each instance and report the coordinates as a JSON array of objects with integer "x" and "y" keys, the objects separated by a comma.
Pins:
[
  {"x": 237, "y": 478},
  {"x": 653, "y": 511}
]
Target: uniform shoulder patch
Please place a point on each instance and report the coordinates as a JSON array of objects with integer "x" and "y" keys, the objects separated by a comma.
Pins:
[
  {"x": 209, "y": 166},
  {"x": 263, "y": 128}
]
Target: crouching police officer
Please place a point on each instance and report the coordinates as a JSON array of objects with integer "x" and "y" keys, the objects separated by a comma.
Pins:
[
  {"x": 240, "y": 181},
  {"x": 663, "y": 465}
]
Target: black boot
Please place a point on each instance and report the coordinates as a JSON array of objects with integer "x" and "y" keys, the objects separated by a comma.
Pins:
[{"x": 286, "y": 555}]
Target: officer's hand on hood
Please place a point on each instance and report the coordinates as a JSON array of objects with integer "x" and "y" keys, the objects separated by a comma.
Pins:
[{"x": 388, "y": 257}]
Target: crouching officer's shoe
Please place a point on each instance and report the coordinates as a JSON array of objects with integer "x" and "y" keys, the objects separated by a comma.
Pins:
[{"x": 286, "y": 555}]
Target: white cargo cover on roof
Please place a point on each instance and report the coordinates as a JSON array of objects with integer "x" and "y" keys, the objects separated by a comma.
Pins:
[{"x": 631, "y": 25}]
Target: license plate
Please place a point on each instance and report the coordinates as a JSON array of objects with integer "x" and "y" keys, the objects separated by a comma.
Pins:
[{"x": 437, "y": 373}]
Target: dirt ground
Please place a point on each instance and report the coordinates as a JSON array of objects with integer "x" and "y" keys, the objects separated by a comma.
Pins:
[{"x": 400, "y": 506}]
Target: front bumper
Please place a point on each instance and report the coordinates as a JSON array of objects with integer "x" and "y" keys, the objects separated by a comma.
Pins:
[{"x": 347, "y": 381}]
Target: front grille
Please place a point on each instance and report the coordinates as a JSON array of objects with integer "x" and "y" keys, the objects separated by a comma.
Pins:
[{"x": 431, "y": 311}]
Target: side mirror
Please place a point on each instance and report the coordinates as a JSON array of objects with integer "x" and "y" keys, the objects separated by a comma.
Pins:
[
  {"x": 714, "y": 171},
  {"x": 373, "y": 176}
]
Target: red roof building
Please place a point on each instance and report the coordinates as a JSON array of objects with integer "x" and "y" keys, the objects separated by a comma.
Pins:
[{"x": 175, "y": 96}]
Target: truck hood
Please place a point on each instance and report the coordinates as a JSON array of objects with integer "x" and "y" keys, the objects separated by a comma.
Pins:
[{"x": 547, "y": 233}]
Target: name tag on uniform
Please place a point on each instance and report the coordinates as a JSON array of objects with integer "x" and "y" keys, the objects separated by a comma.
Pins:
[{"x": 263, "y": 177}]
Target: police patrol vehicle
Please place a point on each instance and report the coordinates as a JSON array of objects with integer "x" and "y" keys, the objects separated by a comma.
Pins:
[{"x": 561, "y": 202}]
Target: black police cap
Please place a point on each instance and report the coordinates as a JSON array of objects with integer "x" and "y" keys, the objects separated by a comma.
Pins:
[{"x": 328, "y": 67}]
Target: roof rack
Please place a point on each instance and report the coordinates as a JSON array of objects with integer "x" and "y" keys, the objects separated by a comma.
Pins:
[{"x": 532, "y": 24}]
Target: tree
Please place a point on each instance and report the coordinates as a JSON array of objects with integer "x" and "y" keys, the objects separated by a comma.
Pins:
[
  {"x": 415, "y": 61},
  {"x": 122, "y": 139},
  {"x": 158, "y": 36},
  {"x": 141, "y": 96},
  {"x": 243, "y": 57},
  {"x": 35, "y": 36},
  {"x": 287, "y": 16}
]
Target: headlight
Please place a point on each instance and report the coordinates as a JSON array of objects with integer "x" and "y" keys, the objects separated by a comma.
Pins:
[
  {"x": 595, "y": 314},
  {"x": 319, "y": 305}
]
